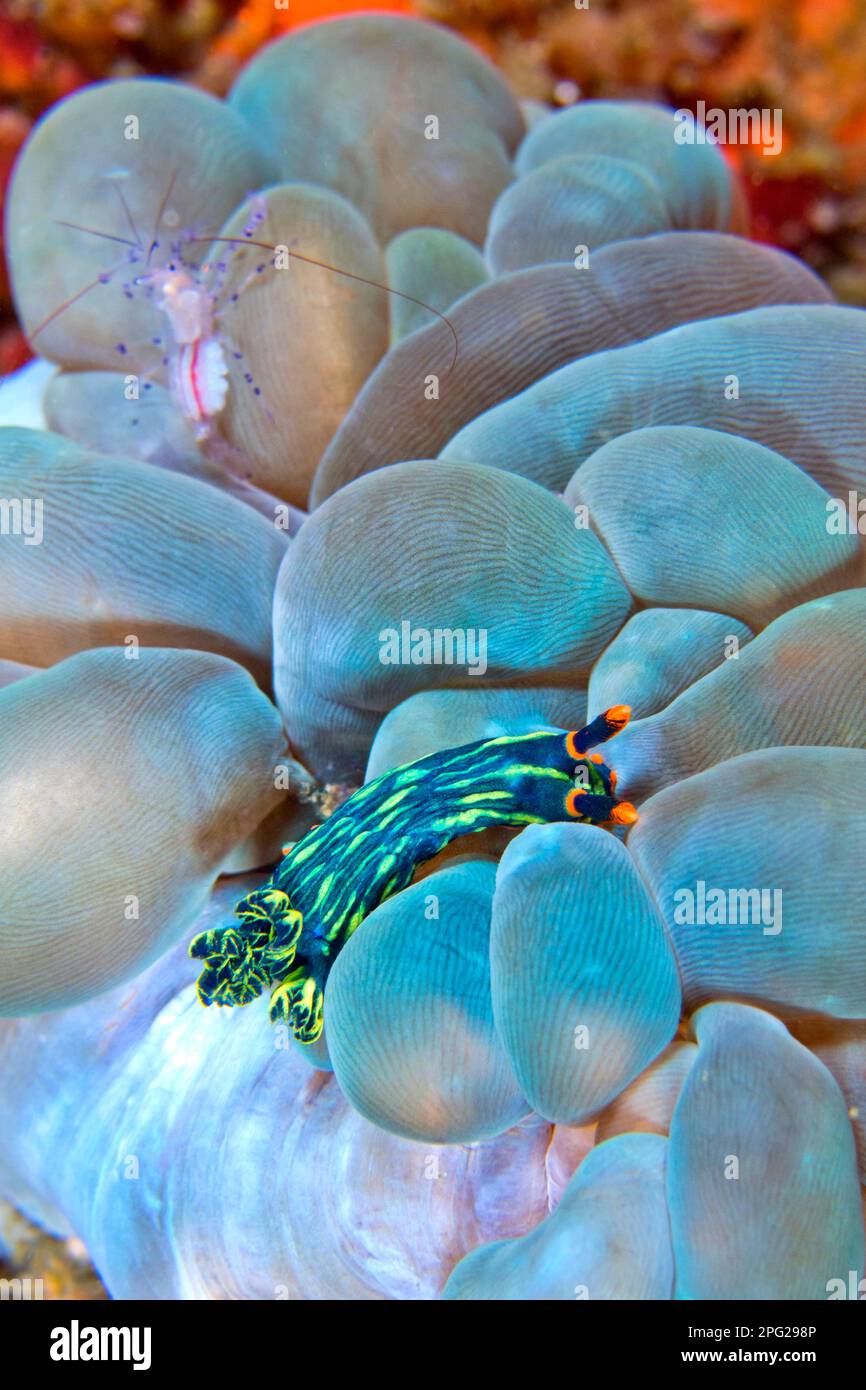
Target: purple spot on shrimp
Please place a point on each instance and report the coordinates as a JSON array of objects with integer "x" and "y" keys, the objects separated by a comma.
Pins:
[{"x": 121, "y": 348}]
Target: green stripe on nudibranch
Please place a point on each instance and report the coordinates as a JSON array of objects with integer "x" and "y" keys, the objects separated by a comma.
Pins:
[{"x": 292, "y": 928}]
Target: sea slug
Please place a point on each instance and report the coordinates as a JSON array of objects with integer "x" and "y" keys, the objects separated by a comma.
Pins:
[{"x": 292, "y": 928}]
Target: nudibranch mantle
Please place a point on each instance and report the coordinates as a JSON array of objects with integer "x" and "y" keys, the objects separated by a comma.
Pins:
[{"x": 290, "y": 930}]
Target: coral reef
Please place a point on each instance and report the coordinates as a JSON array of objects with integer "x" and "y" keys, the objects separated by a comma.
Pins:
[
  {"x": 791, "y": 56},
  {"x": 372, "y": 439}
]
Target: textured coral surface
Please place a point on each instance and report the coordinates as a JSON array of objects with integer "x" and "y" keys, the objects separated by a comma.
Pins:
[{"x": 373, "y": 419}]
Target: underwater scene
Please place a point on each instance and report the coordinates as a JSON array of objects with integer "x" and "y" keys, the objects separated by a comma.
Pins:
[{"x": 433, "y": 654}]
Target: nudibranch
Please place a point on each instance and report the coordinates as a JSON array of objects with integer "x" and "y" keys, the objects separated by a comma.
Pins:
[{"x": 291, "y": 930}]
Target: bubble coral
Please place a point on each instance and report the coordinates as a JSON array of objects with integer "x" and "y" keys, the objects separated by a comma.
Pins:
[
  {"x": 534, "y": 1076},
  {"x": 126, "y": 783},
  {"x": 406, "y": 162}
]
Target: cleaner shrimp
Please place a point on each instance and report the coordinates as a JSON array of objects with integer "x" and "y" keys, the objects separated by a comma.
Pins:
[{"x": 192, "y": 299}]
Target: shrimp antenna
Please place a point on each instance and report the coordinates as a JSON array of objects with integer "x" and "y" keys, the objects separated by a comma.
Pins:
[
  {"x": 122, "y": 240},
  {"x": 612, "y": 307},
  {"x": 163, "y": 204},
  {"x": 105, "y": 276},
  {"x": 349, "y": 275},
  {"x": 129, "y": 217},
  {"x": 92, "y": 231},
  {"x": 101, "y": 279}
]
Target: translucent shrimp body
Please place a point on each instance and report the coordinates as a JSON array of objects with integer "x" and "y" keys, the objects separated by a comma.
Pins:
[{"x": 198, "y": 370}]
